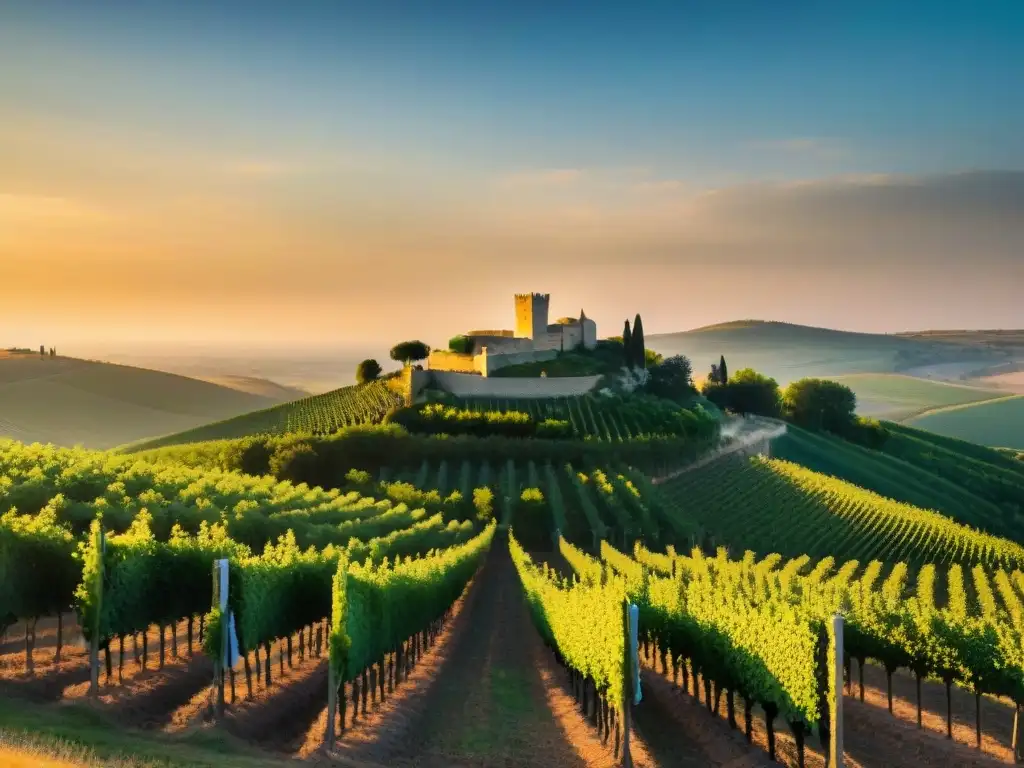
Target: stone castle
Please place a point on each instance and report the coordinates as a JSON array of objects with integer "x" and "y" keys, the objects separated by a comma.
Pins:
[{"x": 533, "y": 339}]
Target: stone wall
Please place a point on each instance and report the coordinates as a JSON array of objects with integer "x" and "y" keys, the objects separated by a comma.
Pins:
[
  {"x": 445, "y": 360},
  {"x": 500, "y": 343},
  {"x": 468, "y": 385},
  {"x": 489, "y": 362}
]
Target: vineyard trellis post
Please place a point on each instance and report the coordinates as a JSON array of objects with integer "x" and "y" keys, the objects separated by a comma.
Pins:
[
  {"x": 100, "y": 545},
  {"x": 836, "y": 738},
  {"x": 631, "y": 671}
]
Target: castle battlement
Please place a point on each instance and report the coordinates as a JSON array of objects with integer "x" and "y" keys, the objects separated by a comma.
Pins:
[{"x": 534, "y": 339}]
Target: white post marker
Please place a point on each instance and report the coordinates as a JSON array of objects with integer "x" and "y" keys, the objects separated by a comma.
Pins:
[
  {"x": 229, "y": 655},
  {"x": 634, "y": 650}
]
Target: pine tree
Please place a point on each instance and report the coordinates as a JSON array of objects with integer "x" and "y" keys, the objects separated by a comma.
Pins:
[
  {"x": 639, "y": 350},
  {"x": 723, "y": 372},
  {"x": 627, "y": 345}
]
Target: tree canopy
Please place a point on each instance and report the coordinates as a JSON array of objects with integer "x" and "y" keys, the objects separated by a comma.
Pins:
[
  {"x": 746, "y": 392},
  {"x": 821, "y": 404},
  {"x": 409, "y": 351},
  {"x": 637, "y": 356},
  {"x": 671, "y": 378},
  {"x": 368, "y": 370}
]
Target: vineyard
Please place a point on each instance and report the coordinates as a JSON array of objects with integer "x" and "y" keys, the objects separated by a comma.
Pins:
[
  {"x": 771, "y": 505},
  {"x": 314, "y": 415},
  {"x": 601, "y": 418},
  {"x": 385, "y": 616}
]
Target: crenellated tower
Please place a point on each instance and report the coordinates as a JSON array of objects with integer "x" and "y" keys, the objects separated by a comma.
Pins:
[{"x": 532, "y": 315}]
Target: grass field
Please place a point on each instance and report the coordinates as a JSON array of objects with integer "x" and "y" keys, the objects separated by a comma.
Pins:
[
  {"x": 896, "y": 397},
  {"x": 68, "y": 401},
  {"x": 995, "y": 422}
]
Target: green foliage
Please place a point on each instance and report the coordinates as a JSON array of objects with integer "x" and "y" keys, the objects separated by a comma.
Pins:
[
  {"x": 38, "y": 573},
  {"x": 483, "y": 503},
  {"x": 375, "y": 608},
  {"x": 627, "y": 344},
  {"x": 461, "y": 344},
  {"x": 820, "y": 404},
  {"x": 437, "y": 418},
  {"x": 368, "y": 370},
  {"x": 371, "y": 448},
  {"x": 748, "y": 392},
  {"x": 895, "y": 478},
  {"x": 582, "y": 621},
  {"x": 637, "y": 351},
  {"x": 771, "y": 505},
  {"x": 671, "y": 378},
  {"x": 324, "y": 414},
  {"x": 409, "y": 351}
]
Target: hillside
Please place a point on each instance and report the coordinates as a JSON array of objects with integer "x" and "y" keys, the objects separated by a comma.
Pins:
[
  {"x": 994, "y": 422},
  {"x": 315, "y": 414},
  {"x": 67, "y": 401},
  {"x": 899, "y": 397},
  {"x": 787, "y": 352},
  {"x": 916, "y": 470}
]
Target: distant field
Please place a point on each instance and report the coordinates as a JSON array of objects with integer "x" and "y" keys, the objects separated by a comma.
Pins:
[
  {"x": 995, "y": 422},
  {"x": 788, "y": 352},
  {"x": 67, "y": 401},
  {"x": 896, "y": 397},
  {"x": 1009, "y": 382}
]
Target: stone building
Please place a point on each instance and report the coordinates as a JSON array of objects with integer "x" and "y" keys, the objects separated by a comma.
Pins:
[{"x": 533, "y": 339}]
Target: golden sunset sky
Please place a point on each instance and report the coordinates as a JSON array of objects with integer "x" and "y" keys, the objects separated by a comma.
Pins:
[{"x": 334, "y": 176}]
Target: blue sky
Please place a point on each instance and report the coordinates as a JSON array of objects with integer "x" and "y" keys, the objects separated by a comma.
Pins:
[{"x": 482, "y": 134}]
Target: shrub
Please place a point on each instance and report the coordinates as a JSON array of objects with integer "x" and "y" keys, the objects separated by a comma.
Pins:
[
  {"x": 461, "y": 344},
  {"x": 483, "y": 502}
]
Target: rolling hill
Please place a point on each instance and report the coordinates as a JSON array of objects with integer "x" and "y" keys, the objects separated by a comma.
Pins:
[
  {"x": 316, "y": 414},
  {"x": 68, "y": 401},
  {"x": 898, "y": 397},
  {"x": 788, "y": 352},
  {"x": 998, "y": 422}
]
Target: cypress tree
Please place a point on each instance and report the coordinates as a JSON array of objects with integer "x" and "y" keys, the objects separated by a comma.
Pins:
[
  {"x": 723, "y": 372},
  {"x": 627, "y": 346},
  {"x": 639, "y": 350}
]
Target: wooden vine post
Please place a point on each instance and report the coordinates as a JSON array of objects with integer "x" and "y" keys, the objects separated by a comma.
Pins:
[
  {"x": 99, "y": 544},
  {"x": 835, "y": 747}
]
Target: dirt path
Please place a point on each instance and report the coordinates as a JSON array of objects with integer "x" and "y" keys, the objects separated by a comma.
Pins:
[
  {"x": 490, "y": 706},
  {"x": 490, "y": 694}
]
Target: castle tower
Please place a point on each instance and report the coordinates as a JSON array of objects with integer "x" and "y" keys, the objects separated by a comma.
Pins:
[{"x": 532, "y": 315}]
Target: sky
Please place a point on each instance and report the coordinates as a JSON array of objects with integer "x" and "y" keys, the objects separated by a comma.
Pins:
[{"x": 351, "y": 174}]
